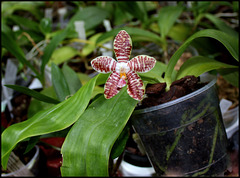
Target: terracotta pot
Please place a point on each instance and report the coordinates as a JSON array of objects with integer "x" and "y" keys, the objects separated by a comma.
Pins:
[{"x": 186, "y": 136}]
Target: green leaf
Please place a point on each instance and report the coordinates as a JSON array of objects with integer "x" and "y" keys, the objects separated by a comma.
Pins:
[
  {"x": 71, "y": 77},
  {"x": 51, "y": 47},
  {"x": 231, "y": 75},
  {"x": 63, "y": 54},
  {"x": 92, "y": 16},
  {"x": 24, "y": 22},
  {"x": 198, "y": 65},
  {"x": 89, "y": 48},
  {"x": 36, "y": 105},
  {"x": 133, "y": 9},
  {"x": 10, "y": 44},
  {"x": 167, "y": 16},
  {"x": 180, "y": 32},
  {"x": 6, "y": 29},
  {"x": 154, "y": 75},
  {"x": 120, "y": 143},
  {"x": 33, "y": 94},
  {"x": 31, "y": 143},
  {"x": 228, "y": 41},
  {"x": 87, "y": 147},
  {"x": 45, "y": 25},
  {"x": 59, "y": 83},
  {"x": 31, "y": 6},
  {"x": 56, "y": 118},
  {"x": 143, "y": 34},
  {"x": 221, "y": 25}
]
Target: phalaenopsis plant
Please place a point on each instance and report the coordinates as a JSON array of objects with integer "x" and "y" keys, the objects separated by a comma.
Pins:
[
  {"x": 123, "y": 69},
  {"x": 97, "y": 130}
]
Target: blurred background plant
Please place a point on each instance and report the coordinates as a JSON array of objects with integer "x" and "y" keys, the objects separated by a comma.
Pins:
[{"x": 47, "y": 46}]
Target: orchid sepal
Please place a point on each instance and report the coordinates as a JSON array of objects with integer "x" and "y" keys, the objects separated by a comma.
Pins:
[{"x": 104, "y": 64}]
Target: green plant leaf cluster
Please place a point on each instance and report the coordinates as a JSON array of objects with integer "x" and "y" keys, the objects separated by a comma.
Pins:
[
  {"x": 58, "y": 117},
  {"x": 167, "y": 17},
  {"x": 94, "y": 134},
  {"x": 228, "y": 41},
  {"x": 96, "y": 128},
  {"x": 196, "y": 68},
  {"x": 37, "y": 31}
]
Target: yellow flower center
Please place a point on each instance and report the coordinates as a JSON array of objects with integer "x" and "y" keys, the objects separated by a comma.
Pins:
[{"x": 123, "y": 75}]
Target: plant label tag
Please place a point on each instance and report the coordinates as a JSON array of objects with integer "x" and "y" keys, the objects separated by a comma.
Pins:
[{"x": 224, "y": 105}]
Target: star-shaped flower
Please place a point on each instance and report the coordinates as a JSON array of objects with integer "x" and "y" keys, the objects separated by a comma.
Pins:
[{"x": 123, "y": 69}]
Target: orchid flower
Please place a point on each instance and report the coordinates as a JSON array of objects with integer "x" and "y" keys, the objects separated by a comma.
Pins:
[{"x": 122, "y": 69}]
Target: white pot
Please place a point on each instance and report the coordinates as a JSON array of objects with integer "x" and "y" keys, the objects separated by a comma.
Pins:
[
  {"x": 127, "y": 169},
  {"x": 29, "y": 169}
]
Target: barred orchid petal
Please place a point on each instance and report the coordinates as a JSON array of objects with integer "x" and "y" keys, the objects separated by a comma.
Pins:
[
  {"x": 104, "y": 64},
  {"x": 111, "y": 87},
  {"x": 122, "y": 46},
  {"x": 135, "y": 86},
  {"x": 142, "y": 63}
]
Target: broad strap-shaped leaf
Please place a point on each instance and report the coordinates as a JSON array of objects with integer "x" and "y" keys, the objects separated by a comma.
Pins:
[
  {"x": 56, "y": 118},
  {"x": 87, "y": 147},
  {"x": 59, "y": 83},
  {"x": 63, "y": 54},
  {"x": 111, "y": 86},
  {"x": 120, "y": 143},
  {"x": 122, "y": 46},
  {"x": 142, "y": 63},
  {"x": 167, "y": 17},
  {"x": 221, "y": 25},
  {"x": 72, "y": 79},
  {"x": 228, "y": 41},
  {"x": 33, "y": 93},
  {"x": 193, "y": 66},
  {"x": 104, "y": 64},
  {"x": 25, "y": 22},
  {"x": 135, "y": 86}
]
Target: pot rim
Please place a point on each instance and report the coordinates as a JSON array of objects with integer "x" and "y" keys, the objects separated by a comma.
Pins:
[
  {"x": 206, "y": 77},
  {"x": 28, "y": 166}
]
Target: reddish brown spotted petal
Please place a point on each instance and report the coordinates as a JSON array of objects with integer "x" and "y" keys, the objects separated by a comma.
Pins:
[
  {"x": 122, "y": 46},
  {"x": 142, "y": 63},
  {"x": 135, "y": 86},
  {"x": 104, "y": 64},
  {"x": 111, "y": 86}
]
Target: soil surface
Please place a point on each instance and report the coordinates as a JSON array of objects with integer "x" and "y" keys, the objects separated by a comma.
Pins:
[{"x": 156, "y": 93}]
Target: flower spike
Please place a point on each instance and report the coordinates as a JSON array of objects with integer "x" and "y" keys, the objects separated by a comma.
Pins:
[{"x": 123, "y": 69}]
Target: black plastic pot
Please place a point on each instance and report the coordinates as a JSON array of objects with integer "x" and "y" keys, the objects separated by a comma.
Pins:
[{"x": 185, "y": 137}]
